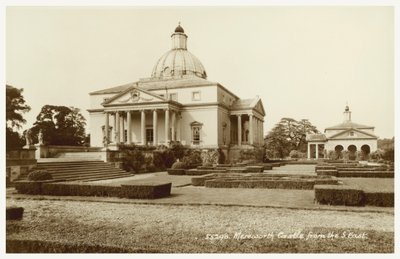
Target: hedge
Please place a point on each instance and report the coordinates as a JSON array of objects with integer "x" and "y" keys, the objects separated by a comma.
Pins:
[
  {"x": 146, "y": 191},
  {"x": 363, "y": 169},
  {"x": 139, "y": 191},
  {"x": 269, "y": 184},
  {"x": 203, "y": 172},
  {"x": 199, "y": 180},
  {"x": 30, "y": 187},
  {"x": 176, "y": 171},
  {"x": 255, "y": 169},
  {"x": 375, "y": 174},
  {"x": 14, "y": 213},
  {"x": 325, "y": 167},
  {"x": 327, "y": 172},
  {"x": 339, "y": 195},
  {"x": 381, "y": 199}
]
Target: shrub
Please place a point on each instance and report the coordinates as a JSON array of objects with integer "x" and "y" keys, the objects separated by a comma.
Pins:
[
  {"x": 133, "y": 160},
  {"x": 178, "y": 150},
  {"x": 339, "y": 195},
  {"x": 257, "y": 153},
  {"x": 389, "y": 155},
  {"x": 192, "y": 158},
  {"x": 377, "y": 155},
  {"x": 209, "y": 156},
  {"x": 39, "y": 175},
  {"x": 179, "y": 165},
  {"x": 297, "y": 154}
]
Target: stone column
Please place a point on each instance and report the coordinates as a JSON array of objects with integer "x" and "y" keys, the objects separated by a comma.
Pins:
[
  {"x": 107, "y": 126},
  {"x": 122, "y": 133},
  {"x": 173, "y": 122},
  {"x": 166, "y": 126},
  {"x": 117, "y": 135},
  {"x": 308, "y": 151},
  {"x": 239, "y": 117},
  {"x": 115, "y": 128},
  {"x": 155, "y": 127},
  {"x": 129, "y": 121},
  {"x": 143, "y": 127},
  {"x": 178, "y": 128},
  {"x": 316, "y": 151},
  {"x": 251, "y": 128}
]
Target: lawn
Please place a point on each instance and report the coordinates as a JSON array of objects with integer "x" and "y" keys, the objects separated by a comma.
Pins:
[{"x": 177, "y": 229}]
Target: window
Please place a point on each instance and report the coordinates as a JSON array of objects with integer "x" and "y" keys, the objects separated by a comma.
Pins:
[
  {"x": 196, "y": 96},
  {"x": 196, "y": 132},
  {"x": 196, "y": 135},
  {"x": 125, "y": 135},
  {"x": 173, "y": 97},
  {"x": 162, "y": 95},
  {"x": 149, "y": 135},
  {"x": 351, "y": 133}
]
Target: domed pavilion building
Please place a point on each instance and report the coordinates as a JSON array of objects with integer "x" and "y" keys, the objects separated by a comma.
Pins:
[{"x": 176, "y": 104}]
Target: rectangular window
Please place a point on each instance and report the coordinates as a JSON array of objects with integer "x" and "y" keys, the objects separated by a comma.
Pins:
[
  {"x": 149, "y": 135},
  {"x": 173, "y": 97},
  {"x": 196, "y": 96},
  {"x": 196, "y": 135}
]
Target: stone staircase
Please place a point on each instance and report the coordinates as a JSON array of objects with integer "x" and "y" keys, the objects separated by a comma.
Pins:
[
  {"x": 77, "y": 170},
  {"x": 83, "y": 156}
]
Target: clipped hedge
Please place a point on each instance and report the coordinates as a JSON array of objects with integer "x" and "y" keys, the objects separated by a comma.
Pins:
[
  {"x": 14, "y": 213},
  {"x": 339, "y": 195},
  {"x": 199, "y": 180},
  {"x": 203, "y": 171},
  {"x": 74, "y": 189},
  {"x": 255, "y": 169},
  {"x": 138, "y": 191},
  {"x": 324, "y": 167},
  {"x": 30, "y": 187},
  {"x": 380, "y": 199},
  {"x": 145, "y": 191},
  {"x": 268, "y": 184},
  {"x": 371, "y": 174},
  {"x": 327, "y": 172},
  {"x": 176, "y": 171}
]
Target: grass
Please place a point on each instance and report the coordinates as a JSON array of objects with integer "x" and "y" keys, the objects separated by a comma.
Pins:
[
  {"x": 178, "y": 229},
  {"x": 371, "y": 184}
]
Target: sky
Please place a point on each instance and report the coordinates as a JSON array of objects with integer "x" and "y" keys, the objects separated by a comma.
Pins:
[{"x": 304, "y": 62}]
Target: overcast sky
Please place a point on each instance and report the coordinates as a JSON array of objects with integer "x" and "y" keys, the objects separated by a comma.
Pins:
[{"x": 304, "y": 62}]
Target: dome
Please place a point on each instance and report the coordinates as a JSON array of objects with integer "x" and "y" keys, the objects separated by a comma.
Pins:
[
  {"x": 178, "y": 61},
  {"x": 179, "y": 29}
]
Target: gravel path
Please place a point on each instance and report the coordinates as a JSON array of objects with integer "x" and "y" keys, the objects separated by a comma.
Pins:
[{"x": 172, "y": 228}]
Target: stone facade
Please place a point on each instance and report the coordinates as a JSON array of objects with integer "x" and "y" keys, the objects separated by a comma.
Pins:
[
  {"x": 347, "y": 136},
  {"x": 176, "y": 104}
]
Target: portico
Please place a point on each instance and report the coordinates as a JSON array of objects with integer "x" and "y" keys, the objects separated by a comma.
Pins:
[{"x": 140, "y": 125}]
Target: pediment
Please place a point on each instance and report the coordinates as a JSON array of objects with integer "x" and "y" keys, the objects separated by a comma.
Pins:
[
  {"x": 352, "y": 134},
  {"x": 259, "y": 107},
  {"x": 133, "y": 95}
]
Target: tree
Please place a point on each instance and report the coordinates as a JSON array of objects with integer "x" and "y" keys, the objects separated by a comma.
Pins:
[
  {"x": 287, "y": 135},
  {"x": 60, "y": 125},
  {"x": 15, "y": 107}
]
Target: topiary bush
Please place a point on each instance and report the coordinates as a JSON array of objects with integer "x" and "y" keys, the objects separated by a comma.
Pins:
[
  {"x": 39, "y": 175},
  {"x": 192, "y": 159},
  {"x": 179, "y": 165},
  {"x": 133, "y": 160}
]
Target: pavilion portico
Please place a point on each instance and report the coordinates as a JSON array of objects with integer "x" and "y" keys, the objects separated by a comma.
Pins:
[{"x": 246, "y": 128}]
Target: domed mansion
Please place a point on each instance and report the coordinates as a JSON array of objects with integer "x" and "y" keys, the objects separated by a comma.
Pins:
[{"x": 176, "y": 104}]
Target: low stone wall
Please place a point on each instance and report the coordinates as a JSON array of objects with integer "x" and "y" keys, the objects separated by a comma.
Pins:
[{"x": 19, "y": 163}]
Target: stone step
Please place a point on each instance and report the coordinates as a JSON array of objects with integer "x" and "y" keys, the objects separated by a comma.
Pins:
[
  {"x": 98, "y": 178},
  {"x": 91, "y": 176},
  {"x": 87, "y": 155},
  {"x": 77, "y": 168},
  {"x": 69, "y": 162},
  {"x": 77, "y": 173}
]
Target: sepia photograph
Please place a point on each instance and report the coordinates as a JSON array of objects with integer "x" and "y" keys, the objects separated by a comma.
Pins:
[{"x": 208, "y": 129}]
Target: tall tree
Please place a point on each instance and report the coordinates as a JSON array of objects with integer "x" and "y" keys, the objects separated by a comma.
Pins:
[
  {"x": 15, "y": 107},
  {"x": 60, "y": 125},
  {"x": 287, "y": 135}
]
